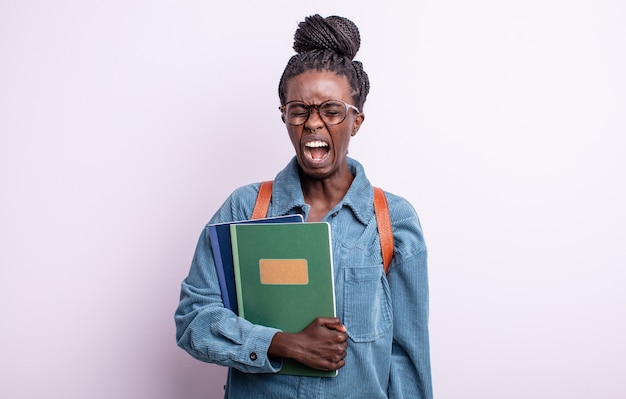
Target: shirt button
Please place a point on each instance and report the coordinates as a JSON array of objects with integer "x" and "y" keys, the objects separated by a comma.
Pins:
[
  {"x": 253, "y": 356},
  {"x": 335, "y": 214}
]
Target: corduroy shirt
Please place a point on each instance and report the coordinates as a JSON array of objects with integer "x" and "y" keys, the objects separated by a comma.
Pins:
[{"x": 386, "y": 315}]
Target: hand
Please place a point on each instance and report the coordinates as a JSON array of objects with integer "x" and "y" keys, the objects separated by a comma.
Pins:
[{"x": 321, "y": 345}]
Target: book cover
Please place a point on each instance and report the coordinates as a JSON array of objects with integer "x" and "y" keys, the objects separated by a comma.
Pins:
[
  {"x": 284, "y": 278},
  {"x": 219, "y": 234}
]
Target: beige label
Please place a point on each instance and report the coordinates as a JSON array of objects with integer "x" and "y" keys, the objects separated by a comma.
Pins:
[{"x": 284, "y": 271}]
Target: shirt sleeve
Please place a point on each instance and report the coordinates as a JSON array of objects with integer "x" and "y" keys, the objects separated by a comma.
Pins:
[
  {"x": 410, "y": 375},
  {"x": 211, "y": 333}
]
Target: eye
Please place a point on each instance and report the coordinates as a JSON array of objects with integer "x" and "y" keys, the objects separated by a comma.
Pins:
[
  {"x": 297, "y": 110},
  {"x": 333, "y": 109}
]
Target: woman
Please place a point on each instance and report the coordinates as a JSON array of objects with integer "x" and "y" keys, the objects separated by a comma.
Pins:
[{"x": 379, "y": 340}]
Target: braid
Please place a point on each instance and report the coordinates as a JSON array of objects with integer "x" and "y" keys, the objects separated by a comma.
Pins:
[
  {"x": 332, "y": 33},
  {"x": 362, "y": 78},
  {"x": 327, "y": 44}
]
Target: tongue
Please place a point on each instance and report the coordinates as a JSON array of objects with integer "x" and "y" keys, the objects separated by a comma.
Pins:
[{"x": 318, "y": 153}]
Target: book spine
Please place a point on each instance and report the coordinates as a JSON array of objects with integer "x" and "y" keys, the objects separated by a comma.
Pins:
[
  {"x": 217, "y": 257},
  {"x": 233, "y": 234},
  {"x": 332, "y": 268}
]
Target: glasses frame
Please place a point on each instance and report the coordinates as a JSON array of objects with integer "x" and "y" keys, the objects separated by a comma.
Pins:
[{"x": 311, "y": 107}]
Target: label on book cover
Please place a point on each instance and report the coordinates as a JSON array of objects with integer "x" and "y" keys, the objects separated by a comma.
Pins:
[{"x": 284, "y": 271}]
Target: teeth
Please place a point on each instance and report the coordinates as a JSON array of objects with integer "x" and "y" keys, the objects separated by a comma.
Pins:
[{"x": 316, "y": 144}]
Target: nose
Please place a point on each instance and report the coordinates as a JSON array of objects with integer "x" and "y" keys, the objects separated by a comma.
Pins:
[{"x": 314, "y": 121}]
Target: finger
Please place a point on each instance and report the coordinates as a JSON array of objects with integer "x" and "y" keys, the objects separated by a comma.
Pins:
[{"x": 334, "y": 324}]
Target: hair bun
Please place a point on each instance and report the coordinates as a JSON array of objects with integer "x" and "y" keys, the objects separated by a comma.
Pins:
[{"x": 337, "y": 34}]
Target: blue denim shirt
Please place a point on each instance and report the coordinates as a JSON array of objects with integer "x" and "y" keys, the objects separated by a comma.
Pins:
[{"x": 386, "y": 316}]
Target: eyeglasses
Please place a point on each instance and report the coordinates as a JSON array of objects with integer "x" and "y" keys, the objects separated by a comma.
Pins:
[{"x": 332, "y": 112}]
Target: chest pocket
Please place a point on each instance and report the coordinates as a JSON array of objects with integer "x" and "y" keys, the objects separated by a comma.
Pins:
[{"x": 367, "y": 310}]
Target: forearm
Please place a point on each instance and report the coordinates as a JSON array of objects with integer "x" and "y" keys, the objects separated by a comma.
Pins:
[
  {"x": 216, "y": 335},
  {"x": 211, "y": 333}
]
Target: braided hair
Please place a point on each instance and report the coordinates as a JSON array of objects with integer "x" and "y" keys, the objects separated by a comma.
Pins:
[{"x": 327, "y": 44}]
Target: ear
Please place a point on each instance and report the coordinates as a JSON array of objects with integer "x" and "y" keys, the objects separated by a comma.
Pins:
[
  {"x": 357, "y": 123},
  {"x": 282, "y": 117}
]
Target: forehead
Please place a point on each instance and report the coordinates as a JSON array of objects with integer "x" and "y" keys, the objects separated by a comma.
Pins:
[{"x": 314, "y": 87}]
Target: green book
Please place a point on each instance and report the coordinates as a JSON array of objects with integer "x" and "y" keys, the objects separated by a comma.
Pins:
[{"x": 284, "y": 278}]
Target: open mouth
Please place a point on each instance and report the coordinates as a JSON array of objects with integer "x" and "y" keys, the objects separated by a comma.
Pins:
[{"x": 317, "y": 150}]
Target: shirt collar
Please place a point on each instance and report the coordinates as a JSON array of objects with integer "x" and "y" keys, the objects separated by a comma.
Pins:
[{"x": 287, "y": 193}]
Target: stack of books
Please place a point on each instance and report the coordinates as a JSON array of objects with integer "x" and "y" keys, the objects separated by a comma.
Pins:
[{"x": 276, "y": 272}]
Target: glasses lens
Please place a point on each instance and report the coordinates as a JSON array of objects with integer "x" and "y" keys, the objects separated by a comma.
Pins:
[
  {"x": 333, "y": 112},
  {"x": 296, "y": 113}
]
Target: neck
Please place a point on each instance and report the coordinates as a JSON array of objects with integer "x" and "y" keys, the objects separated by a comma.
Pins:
[{"x": 323, "y": 194}]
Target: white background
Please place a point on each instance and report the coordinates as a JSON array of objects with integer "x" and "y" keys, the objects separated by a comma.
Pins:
[{"x": 125, "y": 124}]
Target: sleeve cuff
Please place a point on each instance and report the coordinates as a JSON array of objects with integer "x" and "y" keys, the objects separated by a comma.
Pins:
[{"x": 253, "y": 353}]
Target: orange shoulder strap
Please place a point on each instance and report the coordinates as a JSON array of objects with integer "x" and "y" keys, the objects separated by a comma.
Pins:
[
  {"x": 385, "y": 231},
  {"x": 262, "y": 200},
  {"x": 381, "y": 209}
]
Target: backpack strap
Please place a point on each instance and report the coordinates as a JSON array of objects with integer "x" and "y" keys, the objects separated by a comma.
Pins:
[
  {"x": 381, "y": 209},
  {"x": 385, "y": 231},
  {"x": 262, "y": 200}
]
